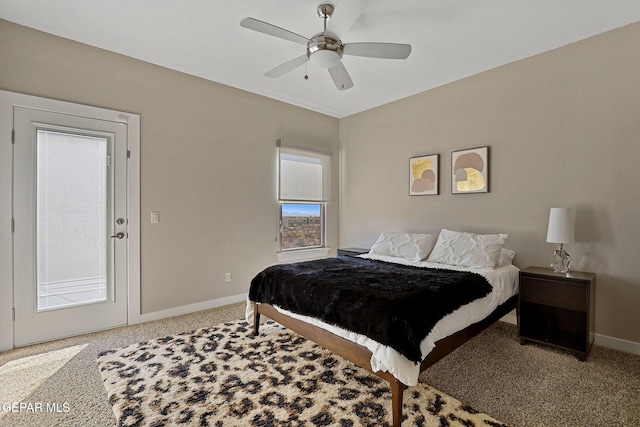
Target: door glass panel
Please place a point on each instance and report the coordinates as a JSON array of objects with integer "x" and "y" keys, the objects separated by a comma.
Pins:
[{"x": 72, "y": 218}]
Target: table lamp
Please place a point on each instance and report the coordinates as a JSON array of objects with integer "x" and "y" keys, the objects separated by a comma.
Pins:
[{"x": 561, "y": 230}]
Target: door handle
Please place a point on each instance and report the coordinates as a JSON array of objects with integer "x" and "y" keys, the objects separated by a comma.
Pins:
[{"x": 119, "y": 235}]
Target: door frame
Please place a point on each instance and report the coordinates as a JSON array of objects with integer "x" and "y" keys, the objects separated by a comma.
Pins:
[{"x": 9, "y": 100}]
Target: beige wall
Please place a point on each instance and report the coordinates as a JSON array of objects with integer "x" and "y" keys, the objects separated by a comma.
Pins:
[
  {"x": 208, "y": 160},
  {"x": 562, "y": 126},
  {"x": 563, "y": 129}
]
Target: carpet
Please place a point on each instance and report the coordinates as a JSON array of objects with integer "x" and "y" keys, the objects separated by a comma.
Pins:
[
  {"x": 224, "y": 376},
  {"x": 19, "y": 378}
]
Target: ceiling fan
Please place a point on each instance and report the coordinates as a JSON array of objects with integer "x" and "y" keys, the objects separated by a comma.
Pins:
[{"x": 325, "y": 49}]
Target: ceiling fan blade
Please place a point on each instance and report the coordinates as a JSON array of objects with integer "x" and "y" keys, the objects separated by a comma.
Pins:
[
  {"x": 340, "y": 76},
  {"x": 345, "y": 15},
  {"x": 378, "y": 50},
  {"x": 272, "y": 30},
  {"x": 286, "y": 67}
]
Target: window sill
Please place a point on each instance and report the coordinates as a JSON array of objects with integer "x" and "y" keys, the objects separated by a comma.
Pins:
[{"x": 303, "y": 254}]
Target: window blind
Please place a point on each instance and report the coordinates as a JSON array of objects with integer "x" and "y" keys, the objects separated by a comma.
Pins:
[{"x": 303, "y": 175}]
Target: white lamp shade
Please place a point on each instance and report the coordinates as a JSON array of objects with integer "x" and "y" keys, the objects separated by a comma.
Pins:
[{"x": 561, "y": 225}]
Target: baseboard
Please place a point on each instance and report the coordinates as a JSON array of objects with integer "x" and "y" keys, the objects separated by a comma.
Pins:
[
  {"x": 192, "y": 308},
  {"x": 617, "y": 344},
  {"x": 603, "y": 340}
]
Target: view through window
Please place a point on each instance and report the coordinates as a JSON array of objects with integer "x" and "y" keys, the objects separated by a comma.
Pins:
[{"x": 301, "y": 225}]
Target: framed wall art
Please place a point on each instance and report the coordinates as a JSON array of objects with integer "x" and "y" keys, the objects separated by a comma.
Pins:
[
  {"x": 423, "y": 175},
  {"x": 470, "y": 171}
]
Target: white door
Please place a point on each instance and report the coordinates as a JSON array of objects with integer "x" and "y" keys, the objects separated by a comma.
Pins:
[{"x": 70, "y": 237}]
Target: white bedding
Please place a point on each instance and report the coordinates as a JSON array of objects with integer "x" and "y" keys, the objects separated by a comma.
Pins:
[{"x": 505, "y": 284}]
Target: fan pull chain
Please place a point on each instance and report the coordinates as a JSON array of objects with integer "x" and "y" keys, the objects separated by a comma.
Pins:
[{"x": 306, "y": 69}]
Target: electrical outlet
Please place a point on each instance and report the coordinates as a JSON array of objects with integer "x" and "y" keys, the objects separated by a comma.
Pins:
[{"x": 227, "y": 277}]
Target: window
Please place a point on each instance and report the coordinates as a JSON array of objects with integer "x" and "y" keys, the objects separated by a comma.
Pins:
[
  {"x": 301, "y": 225},
  {"x": 303, "y": 192}
]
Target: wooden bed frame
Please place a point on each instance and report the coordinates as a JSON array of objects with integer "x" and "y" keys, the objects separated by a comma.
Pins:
[{"x": 361, "y": 356}]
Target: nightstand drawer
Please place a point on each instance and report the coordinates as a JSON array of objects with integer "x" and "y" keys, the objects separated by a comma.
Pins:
[{"x": 570, "y": 296}]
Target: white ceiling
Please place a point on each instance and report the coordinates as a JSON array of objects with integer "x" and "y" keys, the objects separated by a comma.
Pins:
[{"x": 451, "y": 39}]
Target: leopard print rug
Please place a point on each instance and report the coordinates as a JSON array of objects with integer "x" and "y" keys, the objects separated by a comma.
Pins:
[{"x": 224, "y": 376}]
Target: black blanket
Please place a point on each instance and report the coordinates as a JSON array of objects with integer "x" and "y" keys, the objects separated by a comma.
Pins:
[{"x": 393, "y": 304}]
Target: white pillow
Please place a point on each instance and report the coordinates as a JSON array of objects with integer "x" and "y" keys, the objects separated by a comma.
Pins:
[
  {"x": 414, "y": 247},
  {"x": 467, "y": 249},
  {"x": 506, "y": 257}
]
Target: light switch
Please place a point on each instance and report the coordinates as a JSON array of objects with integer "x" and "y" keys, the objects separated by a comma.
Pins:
[{"x": 155, "y": 217}]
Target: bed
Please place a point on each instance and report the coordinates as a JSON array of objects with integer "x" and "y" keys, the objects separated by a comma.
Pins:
[{"x": 464, "y": 263}]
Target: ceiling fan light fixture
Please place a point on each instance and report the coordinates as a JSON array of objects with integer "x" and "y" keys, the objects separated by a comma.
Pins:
[
  {"x": 324, "y": 50},
  {"x": 325, "y": 58}
]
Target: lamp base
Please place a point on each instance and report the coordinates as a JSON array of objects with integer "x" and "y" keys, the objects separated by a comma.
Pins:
[{"x": 561, "y": 261}]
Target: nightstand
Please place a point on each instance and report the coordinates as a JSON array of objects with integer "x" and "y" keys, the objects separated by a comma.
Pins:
[
  {"x": 352, "y": 251},
  {"x": 557, "y": 309}
]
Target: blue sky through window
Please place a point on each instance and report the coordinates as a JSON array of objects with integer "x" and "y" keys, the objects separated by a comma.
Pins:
[{"x": 296, "y": 209}]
